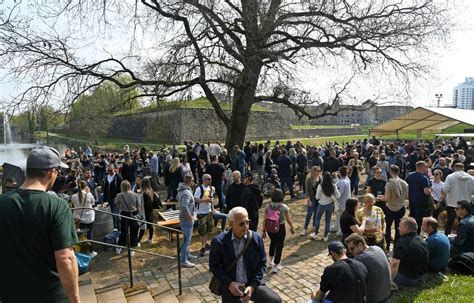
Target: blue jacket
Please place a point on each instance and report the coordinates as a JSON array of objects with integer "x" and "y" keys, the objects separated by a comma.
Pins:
[{"x": 223, "y": 254}]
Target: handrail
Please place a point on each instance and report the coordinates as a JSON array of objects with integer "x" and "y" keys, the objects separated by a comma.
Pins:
[{"x": 129, "y": 249}]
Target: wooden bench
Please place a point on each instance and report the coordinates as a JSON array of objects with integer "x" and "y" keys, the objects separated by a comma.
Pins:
[{"x": 170, "y": 219}]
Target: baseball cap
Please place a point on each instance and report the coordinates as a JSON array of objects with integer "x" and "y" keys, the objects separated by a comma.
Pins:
[
  {"x": 335, "y": 246},
  {"x": 44, "y": 157},
  {"x": 248, "y": 175}
]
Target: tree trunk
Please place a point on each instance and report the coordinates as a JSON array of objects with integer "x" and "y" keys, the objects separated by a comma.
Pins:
[{"x": 238, "y": 127}]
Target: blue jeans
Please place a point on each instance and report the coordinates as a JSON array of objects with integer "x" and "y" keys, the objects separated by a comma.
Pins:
[
  {"x": 402, "y": 280},
  {"x": 223, "y": 217},
  {"x": 288, "y": 180},
  {"x": 187, "y": 229},
  {"x": 311, "y": 212},
  {"x": 328, "y": 210},
  {"x": 114, "y": 209}
]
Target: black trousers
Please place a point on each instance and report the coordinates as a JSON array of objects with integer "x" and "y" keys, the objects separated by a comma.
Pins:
[
  {"x": 390, "y": 218},
  {"x": 149, "y": 218},
  {"x": 277, "y": 242},
  {"x": 128, "y": 228},
  {"x": 253, "y": 223},
  {"x": 451, "y": 217},
  {"x": 417, "y": 213},
  {"x": 261, "y": 294}
]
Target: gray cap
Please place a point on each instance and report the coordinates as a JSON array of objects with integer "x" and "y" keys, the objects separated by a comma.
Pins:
[{"x": 44, "y": 157}]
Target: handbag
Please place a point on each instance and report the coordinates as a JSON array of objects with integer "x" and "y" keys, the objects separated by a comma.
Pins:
[
  {"x": 83, "y": 262},
  {"x": 138, "y": 216},
  {"x": 215, "y": 284}
]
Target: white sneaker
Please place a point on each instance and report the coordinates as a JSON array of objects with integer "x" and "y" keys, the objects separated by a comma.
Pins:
[
  {"x": 192, "y": 257},
  {"x": 93, "y": 254},
  {"x": 276, "y": 269},
  {"x": 139, "y": 245},
  {"x": 303, "y": 232},
  {"x": 188, "y": 264},
  {"x": 132, "y": 253},
  {"x": 271, "y": 264},
  {"x": 118, "y": 250},
  {"x": 314, "y": 236},
  {"x": 325, "y": 239}
]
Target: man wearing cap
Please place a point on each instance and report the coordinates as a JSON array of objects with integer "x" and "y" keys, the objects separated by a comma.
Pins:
[
  {"x": 251, "y": 200},
  {"x": 38, "y": 233},
  {"x": 345, "y": 279}
]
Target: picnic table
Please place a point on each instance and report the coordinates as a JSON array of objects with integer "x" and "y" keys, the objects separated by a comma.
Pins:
[{"x": 170, "y": 219}]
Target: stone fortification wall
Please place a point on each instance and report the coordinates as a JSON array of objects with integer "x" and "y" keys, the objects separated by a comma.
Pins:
[{"x": 177, "y": 125}]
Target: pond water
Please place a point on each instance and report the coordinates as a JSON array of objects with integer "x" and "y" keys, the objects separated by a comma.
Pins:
[{"x": 16, "y": 153}]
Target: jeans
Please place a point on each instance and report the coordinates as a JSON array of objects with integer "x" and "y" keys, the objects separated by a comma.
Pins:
[
  {"x": 187, "y": 229},
  {"x": 219, "y": 192},
  {"x": 216, "y": 216},
  {"x": 311, "y": 212},
  {"x": 277, "y": 242},
  {"x": 451, "y": 217},
  {"x": 327, "y": 209},
  {"x": 355, "y": 184},
  {"x": 128, "y": 229},
  {"x": 114, "y": 209},
  {"x": 337, "y": 223},
  {"x": 288, "y": 180},
  {"x": 402, "y": 280},
  {"x": 154, "y": 181},
  {"x": 390, "y": 218}
]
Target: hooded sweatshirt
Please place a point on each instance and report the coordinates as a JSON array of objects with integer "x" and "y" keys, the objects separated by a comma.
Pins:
[
  {"x": 252, "y": 199},
  {"x": 186, "y": 200},
  {"x": 458, "y": 186}
]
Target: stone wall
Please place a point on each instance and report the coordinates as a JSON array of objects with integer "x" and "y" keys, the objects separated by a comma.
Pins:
[{"x": 177, "y": 125}]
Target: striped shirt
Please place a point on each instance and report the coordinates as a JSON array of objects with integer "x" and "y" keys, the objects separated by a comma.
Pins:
[{"x": 240, "y": 272}]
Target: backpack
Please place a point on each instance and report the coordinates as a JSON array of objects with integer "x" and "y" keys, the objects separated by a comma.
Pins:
[
  {"x": 272, "y": 219},
  {"x": 463, "y": 263}
]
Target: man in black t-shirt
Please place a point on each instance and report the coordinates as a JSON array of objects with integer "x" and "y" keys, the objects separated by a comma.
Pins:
[
  {"x": 376, "y": 186},
  {"x": 233, "y": 198},
  {"x": 217, "y": 172},
  {"x": 410, "y": 256},
  {"x": 345, "y": 279}
]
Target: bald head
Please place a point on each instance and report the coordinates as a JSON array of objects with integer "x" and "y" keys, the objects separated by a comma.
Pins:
[{"x": 236, "y": 177}]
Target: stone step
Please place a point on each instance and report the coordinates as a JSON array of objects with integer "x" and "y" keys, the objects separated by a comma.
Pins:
[
  {"x": 86, "y": 289},
  {"x": 188, "y": 297},
  {"x": 140, "y": 296},
  {"x": 110, "y": 294},
  {"x": 167, "y": 297}
]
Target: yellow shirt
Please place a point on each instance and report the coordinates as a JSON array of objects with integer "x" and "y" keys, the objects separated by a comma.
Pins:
[{"x": 376, "y": 218}]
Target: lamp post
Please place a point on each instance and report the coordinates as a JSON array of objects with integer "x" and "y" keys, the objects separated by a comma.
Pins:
[{"x": 439, "y": 96}]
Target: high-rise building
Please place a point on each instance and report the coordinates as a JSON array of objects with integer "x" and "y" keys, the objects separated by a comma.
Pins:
[{"x": 463, "y": 94}]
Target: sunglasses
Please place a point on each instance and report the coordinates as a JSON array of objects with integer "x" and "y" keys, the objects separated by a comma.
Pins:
[
  {"x": 245, "y": 222},
  {"x": 437, "y": 174}
]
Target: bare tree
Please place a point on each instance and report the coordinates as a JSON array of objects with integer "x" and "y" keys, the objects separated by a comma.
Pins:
[{"x": 250, "y": 47}]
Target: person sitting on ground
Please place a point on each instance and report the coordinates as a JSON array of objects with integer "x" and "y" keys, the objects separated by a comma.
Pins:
[
  {"x": 375, "y": 225},
  {"x": 345, "y": 279},
  {"x": 378, "y": 268},
  {"x": 277, "y": 237},
  {"x": 243, "y": 281},
  {"x": 274, "y": 178},
  {"x": 464, "y": 240},
  {"x": 410, "y": 256},
  {"x": 438, "y": 245},
  {"x": 348, "y": 221}
]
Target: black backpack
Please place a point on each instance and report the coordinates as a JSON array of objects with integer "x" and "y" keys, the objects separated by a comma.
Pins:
[{"x": 463, "y": 263}]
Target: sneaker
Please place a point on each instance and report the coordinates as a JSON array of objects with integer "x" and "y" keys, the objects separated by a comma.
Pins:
[
  {"x": 325, "y": 239},
  {"x": 187, "y": 264},
  {"x": 118, "y": 250},
  {"x": 276, "y": 269},
  {"x": 147, "y": 241},
  {"x": 192, "y": 257},
  {"x": 93, "y": 254},
  {"x": 202, "y": 252},
  {"x": 139, "y": 245},
  {"x": 271, "y": 264},
  {"x": 132, "y": 253},
  {"x": 115, "y": 229},
  {"x": 314, "y": 236},
  {"x": 303, "y": 232}
]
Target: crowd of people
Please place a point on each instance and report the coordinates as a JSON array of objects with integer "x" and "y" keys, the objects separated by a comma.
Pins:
[{"x": 409, "y": 188}]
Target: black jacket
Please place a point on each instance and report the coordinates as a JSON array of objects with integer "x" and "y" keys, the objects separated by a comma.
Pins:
[
  {"x": 233, "y": 197},
  {"x": 252, "y": 199},
  {"x": 111, "y": 189}
]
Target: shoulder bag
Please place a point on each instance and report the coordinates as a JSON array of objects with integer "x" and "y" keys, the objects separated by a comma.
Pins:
[
  {"x": 215, "y": 284},
  {"x": 138, "y": 216}
]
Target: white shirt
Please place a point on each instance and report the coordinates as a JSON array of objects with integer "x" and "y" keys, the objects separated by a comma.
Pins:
[
  {"x": 203, "y": 207},
  {"x": 325, "y": 200},
  {"x": 86, "y": 216}
]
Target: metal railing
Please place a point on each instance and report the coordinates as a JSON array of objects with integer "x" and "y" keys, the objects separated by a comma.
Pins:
[{"x": 130, "y": 249}]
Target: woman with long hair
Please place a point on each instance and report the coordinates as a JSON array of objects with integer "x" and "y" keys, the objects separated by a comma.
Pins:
[
  {"x": 313, "y": 180},
  {"x": 129, "y": 170},
  {"x": 437, "y": 192},
  {"x": 348, "y": 220},
  {"x": 85, "y": 216},
  {"x": 176, "y": 176},
  {"x": 327, "y": 193},
  {"x": 149, "y": 198},
  {"x": 129, "y": 204}
]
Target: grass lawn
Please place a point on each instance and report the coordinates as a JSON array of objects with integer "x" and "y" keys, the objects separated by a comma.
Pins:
[{"x": 457, "y": 288}]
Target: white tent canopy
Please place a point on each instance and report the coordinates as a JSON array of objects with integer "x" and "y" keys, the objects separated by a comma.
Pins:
[{"x": 425, "y": 120}]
